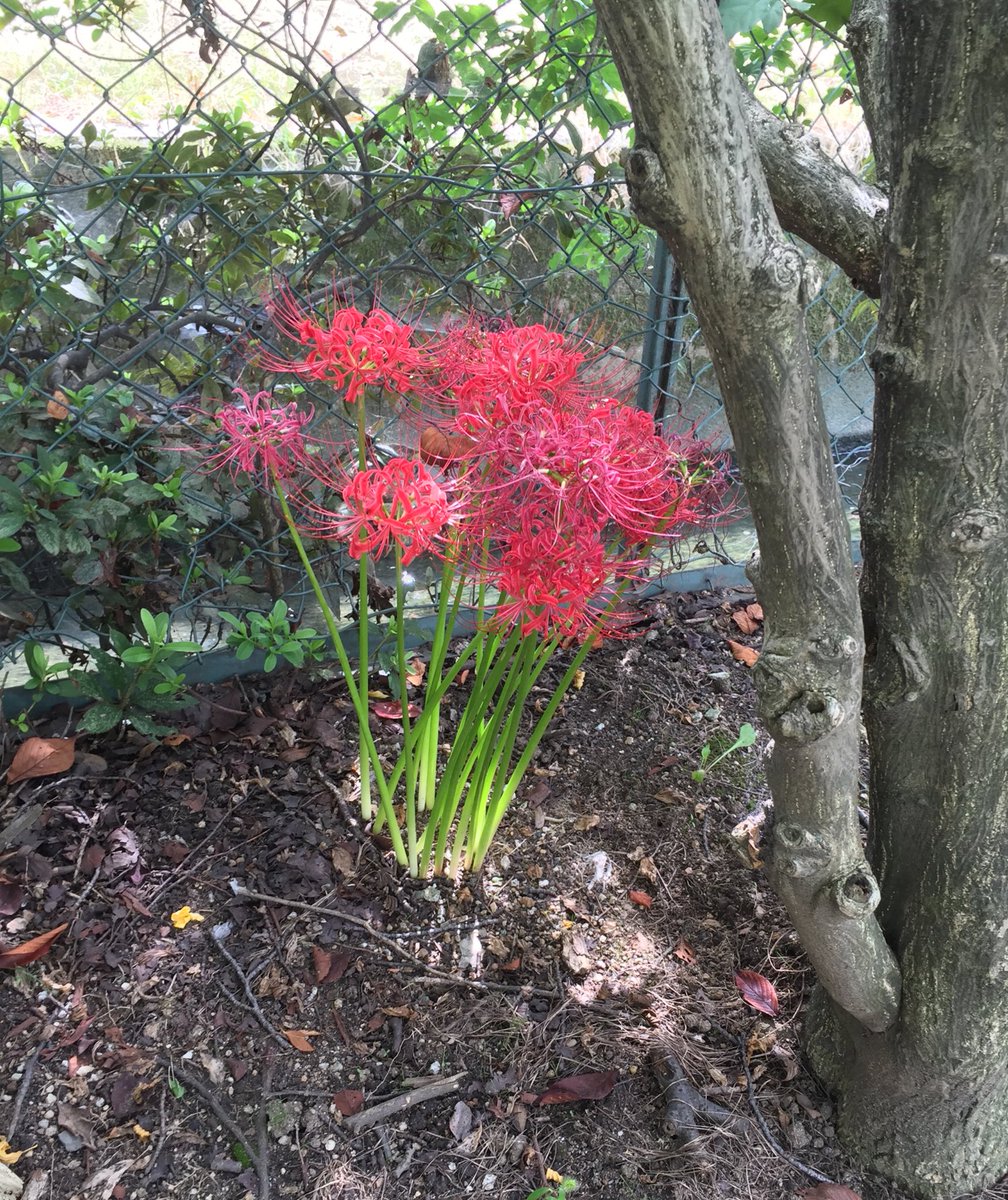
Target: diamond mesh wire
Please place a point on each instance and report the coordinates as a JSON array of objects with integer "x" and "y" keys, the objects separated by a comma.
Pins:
[{"x": 163, "y": 167}]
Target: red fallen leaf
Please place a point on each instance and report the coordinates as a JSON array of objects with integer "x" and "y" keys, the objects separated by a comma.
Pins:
[
  {"x": 391, "y": 710},
  {"x": 509, "y": 204},
  {"x": 18, "y": 956},
  {"x": 512, "y": 965},
  {"x": 595, "y": 1085},
  {"x": 37, "y": 756},
  {"x": 757, "y": 991},
  {"x": 743, "y": 654},
  {"x": 830, "y": 1191},
  {"x": 298, "y": 1038},
  {"x": 744, "y": 621},
  {"x": 348, "y": 1102},
  {"x": 642, "y": 898},
  {"x": 175, "y": 739}
]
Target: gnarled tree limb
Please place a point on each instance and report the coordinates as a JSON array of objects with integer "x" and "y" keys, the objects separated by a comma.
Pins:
[{"x": 696, "y": 170}]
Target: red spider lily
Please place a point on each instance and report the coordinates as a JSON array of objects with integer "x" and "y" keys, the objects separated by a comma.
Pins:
[
  {"x": 352, "y": 350},
  {"x": 399, "y": 502},
  {"x": 552, "y": 580},
  {"x": 261, "y": 437}
]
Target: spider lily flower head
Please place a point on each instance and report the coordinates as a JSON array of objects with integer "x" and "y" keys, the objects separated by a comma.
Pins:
[
  {"x": 554, "y": 580},
  {"x": 348, "y": 348},
  {"x": 397, "y": 503},
  {"x": 261, "y": 437}
]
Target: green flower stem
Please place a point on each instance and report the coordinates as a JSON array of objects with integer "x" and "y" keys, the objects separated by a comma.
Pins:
[
  {"x": 407, "y": 750},
  {"x": 474, "y": 729},
  {"x": 478, "y": 852},
  {"x": 363, "y": 650},
  {"x": 358, "y": 697}
]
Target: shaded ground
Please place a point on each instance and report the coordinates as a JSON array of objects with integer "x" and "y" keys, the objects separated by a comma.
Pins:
[{"x": 142, "y": 1060}]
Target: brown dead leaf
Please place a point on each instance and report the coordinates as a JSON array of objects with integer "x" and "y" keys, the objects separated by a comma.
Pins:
[
  {"x": 641, "y": 898},
  {"x": 348, "y": 1102},
  {"x": 299, "y": 1039},
  {"x": 830, "y": 1191},
  {"x": 755, "y": 611},
  {"x": 684, "y": 951},
  {"x": 329, "y": 967},
  {"x": 57, "y": 406},
  {"x": 18, "y": 956},
  {"x": 648, "y": 868},
  {"x": 77, "y": 1123},
  {"x": 743, "y": 654},
  {"x": 399, "y": 1010},
  {"x": 742, "y": 619},
  {"x": 441, "y": 448},
  {"x": 594, "y": 1085},
  {"x": 670, "y": 796},
  {"x": 583, "y": 824},
  {"x": 37, "y": 756}
]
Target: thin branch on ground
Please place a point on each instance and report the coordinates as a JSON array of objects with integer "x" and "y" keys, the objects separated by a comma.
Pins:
[
  {"x": 22, "y": 1093},
  {"x": 253, "y": 1003},
  {"x": 430, "y": 974},
  {"x": 390, "y": 1108},
  {"x": 210, "y": 1100},
  {"x": 262, "y": 1131}
]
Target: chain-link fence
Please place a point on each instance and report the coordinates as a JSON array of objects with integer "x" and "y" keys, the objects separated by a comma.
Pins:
[{"x": 165, "y": 167}]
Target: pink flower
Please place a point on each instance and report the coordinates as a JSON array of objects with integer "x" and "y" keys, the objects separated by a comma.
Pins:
[
  {"x": 352, "y": 350},
  {"x": 261, "y": 438},
  {"x": 399, "y": 502}
]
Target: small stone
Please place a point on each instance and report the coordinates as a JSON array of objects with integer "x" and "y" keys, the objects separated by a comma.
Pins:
[{"x": 329, "y": 1144}]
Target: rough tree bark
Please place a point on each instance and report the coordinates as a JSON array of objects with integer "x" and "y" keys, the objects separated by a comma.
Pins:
[{"x": 920, "y": 1074}]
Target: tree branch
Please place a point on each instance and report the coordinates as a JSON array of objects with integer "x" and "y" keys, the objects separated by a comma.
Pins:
[
  {"x": 868, "y": 37},
  {"x": 697, "y": 167},
  {"x": 815, "y": 197}
]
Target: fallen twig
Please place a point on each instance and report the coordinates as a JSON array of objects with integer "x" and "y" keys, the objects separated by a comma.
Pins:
[
  {"x": 389, "y": 1108},
  {"x": 253, "y": 1003},
  {"x": 215, "y": 1106},
  {"x": 22, "y": 1092},
  {"x": 262, "y": 1132},
  {"x": 393, "y": 947}
]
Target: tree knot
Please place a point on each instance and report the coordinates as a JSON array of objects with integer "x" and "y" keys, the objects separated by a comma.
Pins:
[
  {"x": 798, "y": 852},
  {"x": 975, "y": 530},
  {"x": 856, "y": 894}
]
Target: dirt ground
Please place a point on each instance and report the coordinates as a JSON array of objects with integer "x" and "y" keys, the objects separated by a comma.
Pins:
[{"x": 331, "y": 1030}]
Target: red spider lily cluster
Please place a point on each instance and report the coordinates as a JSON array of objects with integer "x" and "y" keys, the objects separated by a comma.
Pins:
[{"x": 546, "y": 490}]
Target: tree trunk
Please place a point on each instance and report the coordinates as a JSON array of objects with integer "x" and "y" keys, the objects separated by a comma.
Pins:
[
  {"x": 922, "y": 1078},
  {"x": 927, "y": 1103}
]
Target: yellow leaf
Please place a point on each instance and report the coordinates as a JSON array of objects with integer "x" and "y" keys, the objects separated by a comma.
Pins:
[
  {"x": 8, "y": 1156},
  {"x": 142, "y": 1134},
  {"x": 578, "y": 681},
  {"x": 553, "y": 1176},
  {"x": 182, "y": 916}
]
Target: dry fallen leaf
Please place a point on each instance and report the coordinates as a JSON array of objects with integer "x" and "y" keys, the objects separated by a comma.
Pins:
[
  {"x": 642, "y": 899},
  {"x": 553, "y": 1176},
  {"x": 583, "y": 824},
  {"x": 830, "y": 1191},
  {"x": 684, "y": 951},
  {"x": 8, "y": 1156},
  {"x": 757, "y": 991},
  {"x": 461, "y": 1121},
  {"x": 329, "y": 967},
  {"x": 298, "y": 1038},
  {"x": 142, "y": 1134},
  {"x": 755, "y": 611},
  {"x": 744, "y": 621},
  {"x": 57, "y": 406},
  {"x": 594, "y": 1085},
  {"x": 743, "y": 654},
  {"x": 391, "y": 710},
  {"x": 19, "y": 956},
  {"x": 578, "y": 680},
  {"x": 399, "y": 1010},
  {"x": 37, "y": 756},
  {"x": 348, "y": 1102}
]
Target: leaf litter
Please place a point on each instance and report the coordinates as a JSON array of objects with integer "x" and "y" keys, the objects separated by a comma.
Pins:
[{"x": 578, "y": 975}]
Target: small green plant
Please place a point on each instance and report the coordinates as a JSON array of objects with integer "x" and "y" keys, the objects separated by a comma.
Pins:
[
  {"x": 563, "y": 1189},
  {"x": 746, "y": 737},
  {"x": 273, "y": 633},
  {"x": 137, "y": 682}
]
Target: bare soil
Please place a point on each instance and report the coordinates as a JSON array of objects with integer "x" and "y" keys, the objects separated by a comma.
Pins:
[{"x": 244, "y": 1055}]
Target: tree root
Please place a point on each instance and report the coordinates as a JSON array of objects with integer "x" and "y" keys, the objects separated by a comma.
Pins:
[{"x": 686, "y": 1110}]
